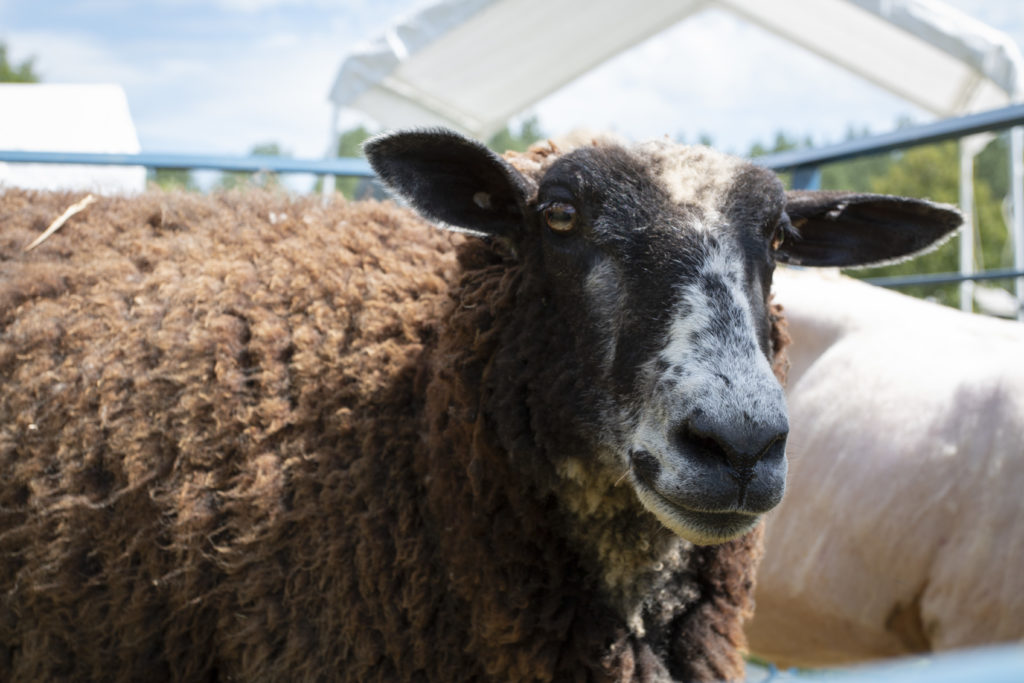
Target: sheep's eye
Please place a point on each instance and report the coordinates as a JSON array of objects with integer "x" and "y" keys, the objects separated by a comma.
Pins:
[
  {"x": 561, "y": 217},
  {"x": 778, "y": 235}
]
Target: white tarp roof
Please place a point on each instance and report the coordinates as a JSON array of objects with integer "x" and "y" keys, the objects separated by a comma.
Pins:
[
  {"x": 473, "y": 64},
  {"x": 68, "y": 118}
]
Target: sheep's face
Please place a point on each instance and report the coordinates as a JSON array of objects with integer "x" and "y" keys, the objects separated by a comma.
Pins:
[
  {"x": 656, "y": 262},
  {"x": 659, "y": 261}
]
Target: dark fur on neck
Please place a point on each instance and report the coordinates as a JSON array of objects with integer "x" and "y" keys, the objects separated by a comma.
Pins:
[{"x": 555, "y": 586}]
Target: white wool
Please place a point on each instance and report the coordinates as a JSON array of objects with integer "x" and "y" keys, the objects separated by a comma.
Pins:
[{"x": 903, "y": 522}]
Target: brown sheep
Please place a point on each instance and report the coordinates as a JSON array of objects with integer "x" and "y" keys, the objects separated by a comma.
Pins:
[{"x": 252, "y": 438}]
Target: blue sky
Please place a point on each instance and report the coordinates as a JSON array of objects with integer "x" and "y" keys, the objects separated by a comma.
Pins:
[
  {"x": 219, "y": 76},
  {"x": 202, "y": 76}
]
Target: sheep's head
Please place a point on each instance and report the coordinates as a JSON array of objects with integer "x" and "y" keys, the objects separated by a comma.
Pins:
[{"x": 659, "y": 260}]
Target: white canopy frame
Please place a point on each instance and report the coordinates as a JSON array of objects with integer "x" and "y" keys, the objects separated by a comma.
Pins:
[{"x": 473, "y": 64}]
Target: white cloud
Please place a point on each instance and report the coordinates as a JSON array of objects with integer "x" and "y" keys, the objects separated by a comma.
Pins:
[
  {"x": 267, "y": 93},
  {"x": 205, "y": 97}
]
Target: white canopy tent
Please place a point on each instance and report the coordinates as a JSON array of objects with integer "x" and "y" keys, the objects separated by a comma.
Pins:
[
  {"x": 473, "y": 64},
  {"x": 68, "y": 118}
]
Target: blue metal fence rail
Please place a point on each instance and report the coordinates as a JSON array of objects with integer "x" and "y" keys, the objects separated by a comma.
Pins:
[
  {"x": 799, "y": 161},
  {"x": 943, "y": 279},
  {"x": 253, "y": 164},
  {"x": 804, "y": 162}
]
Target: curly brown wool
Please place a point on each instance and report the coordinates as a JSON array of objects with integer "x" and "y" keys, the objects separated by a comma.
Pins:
[{"x": 254, "y": 438}]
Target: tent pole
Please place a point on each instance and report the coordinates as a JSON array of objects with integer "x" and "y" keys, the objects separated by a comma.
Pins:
[
  {"x": 1017, "y": 199},
  {"x": 967, "y": 231}
]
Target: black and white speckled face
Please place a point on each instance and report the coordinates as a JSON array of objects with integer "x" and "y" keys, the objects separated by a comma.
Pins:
[{"x": 666, "y": 270}]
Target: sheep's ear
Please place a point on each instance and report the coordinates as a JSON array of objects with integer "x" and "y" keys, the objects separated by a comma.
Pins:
[
  {"x": 853, "y": 230},
  {"x": 450, "y": 178}
]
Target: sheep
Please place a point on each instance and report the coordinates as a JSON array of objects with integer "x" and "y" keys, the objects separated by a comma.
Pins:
[
  {"x": 903, "y": 525},
  {"x": 252, "y": 438}
]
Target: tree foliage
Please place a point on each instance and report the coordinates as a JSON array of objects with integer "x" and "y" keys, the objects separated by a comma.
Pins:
[
  {"x": 16, "y": 73},
  {"x": 519, "y": 140},
  {"x": 237, "y": 179},
  {"x": 350, "y": 144},
  {"x": 783, "y": 143},
  {"x": 172, "y": 179}
]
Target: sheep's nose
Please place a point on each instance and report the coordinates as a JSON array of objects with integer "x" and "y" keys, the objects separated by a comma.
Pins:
[{"x": 740, "y": 441}]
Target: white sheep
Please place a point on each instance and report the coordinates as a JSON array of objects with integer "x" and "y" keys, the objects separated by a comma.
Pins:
[{"x": 903, "y": 525}]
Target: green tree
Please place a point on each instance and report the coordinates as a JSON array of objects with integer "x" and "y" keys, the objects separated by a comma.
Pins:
[
  {"x": 350, "y": 144},
  {"x": 855, "y": 174},
  {"x": 992, "y": 165},
  {"x": 783, "y": 143},
  {"x": 16, "y": 73},
  {"x": 507, "y": 139},
  {"x": 171, "y": 179},
  {"x": 230, "y": 180}
]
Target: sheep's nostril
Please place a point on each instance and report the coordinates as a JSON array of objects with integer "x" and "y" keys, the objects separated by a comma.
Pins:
[
  {"x": 700, "y": 446},
  {"x": 740, "y": 443},
  {"x": 776, "y": 448}
]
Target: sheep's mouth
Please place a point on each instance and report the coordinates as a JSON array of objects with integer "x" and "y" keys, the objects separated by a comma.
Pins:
[{"x": 697, "y": 526}]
